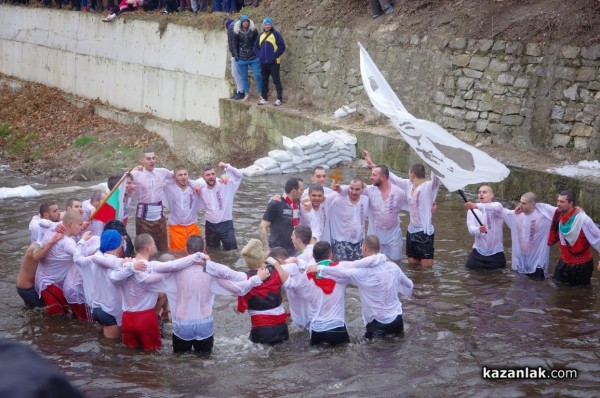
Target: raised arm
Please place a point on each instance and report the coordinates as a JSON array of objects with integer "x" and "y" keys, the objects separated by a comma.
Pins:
[
  {"x": 224, "y": 272},
  {"x": 176, "y": 265},
  {"x": 366, "y": 262},
  {"x": 40, "y": 251}
]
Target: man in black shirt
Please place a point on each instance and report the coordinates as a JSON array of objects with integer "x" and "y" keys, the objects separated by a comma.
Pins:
[{"x": 281, "y": 217}]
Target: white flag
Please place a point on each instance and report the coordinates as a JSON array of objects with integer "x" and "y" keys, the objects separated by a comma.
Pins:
[{"x": 455, "y": 162}]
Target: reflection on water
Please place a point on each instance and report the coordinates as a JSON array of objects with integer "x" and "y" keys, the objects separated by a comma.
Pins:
[{"x": 456, "y": 322}]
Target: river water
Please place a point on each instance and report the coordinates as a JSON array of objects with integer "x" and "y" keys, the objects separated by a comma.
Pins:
[{"x": 456, "y": 322}]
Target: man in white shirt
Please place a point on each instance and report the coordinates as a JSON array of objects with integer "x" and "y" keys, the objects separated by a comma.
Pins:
[
  {"x": 488, "y": 249},
  {"x": 218, "y": 202},
  {"x": 347, "y": 215},
  {"x": 183, "y": 204},
  {"x": 318, "y": 175},
  {"x": 379, "y": 284},
  {"x": 529, "y": 228}
]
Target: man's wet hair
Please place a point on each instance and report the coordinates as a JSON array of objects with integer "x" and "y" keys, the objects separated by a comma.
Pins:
[{"x": 321, "y": 251}]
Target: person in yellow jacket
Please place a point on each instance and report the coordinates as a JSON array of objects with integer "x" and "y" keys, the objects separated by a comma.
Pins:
[{"x": 269, "y": 47}]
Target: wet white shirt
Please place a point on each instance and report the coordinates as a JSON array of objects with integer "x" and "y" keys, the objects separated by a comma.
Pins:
[
  {"x": 379, "y": 283},
  {"x": 218, "y": 201},
  {"x": 347, "y": 220},
  {"x": 419, "y": 202},
  {"x": 492, "y": 216},
  {"x": 529, "y": 234},
  {"x": 54, "y": 267},
  {"x": 183, "y": 204}
]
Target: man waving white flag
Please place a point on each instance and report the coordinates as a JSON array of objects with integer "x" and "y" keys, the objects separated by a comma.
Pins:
[{"x": 456, "y": 163}]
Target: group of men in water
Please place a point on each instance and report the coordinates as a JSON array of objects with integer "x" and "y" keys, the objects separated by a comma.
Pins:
[{"x": 312, "y": 245}]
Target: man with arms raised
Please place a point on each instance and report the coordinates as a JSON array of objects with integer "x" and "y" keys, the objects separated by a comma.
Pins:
[
  {"x": 183, "y": 204},
  {"x": 488, "y": 249},
  {"x": 218, "y": 202},
  {"x": 385, "y": 203}
]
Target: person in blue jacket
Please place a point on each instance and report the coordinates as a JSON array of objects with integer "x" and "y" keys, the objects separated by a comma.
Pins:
[{"x": 269, "y": 47}]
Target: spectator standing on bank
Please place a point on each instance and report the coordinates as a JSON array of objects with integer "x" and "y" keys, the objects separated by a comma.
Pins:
[
  {"x": 379, "y": 7},
  {"x": 235, "y": 69},
  {"x": 269, "y": 47},
  {"x": 244, "y": 38}
]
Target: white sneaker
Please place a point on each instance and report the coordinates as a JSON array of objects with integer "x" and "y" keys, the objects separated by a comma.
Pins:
[
  {"x": 110, "y": 18},
  {"x": 262, "y": 101},
  {"x": 246, "y": 97},
  {"x": 277, "y": 103}
]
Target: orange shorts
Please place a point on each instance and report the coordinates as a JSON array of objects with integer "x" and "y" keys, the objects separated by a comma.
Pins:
[{"x": 179, "y": 234}]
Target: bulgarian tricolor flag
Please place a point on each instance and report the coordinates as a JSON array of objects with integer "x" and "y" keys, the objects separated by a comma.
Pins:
[{"x": 112, "y": 207}]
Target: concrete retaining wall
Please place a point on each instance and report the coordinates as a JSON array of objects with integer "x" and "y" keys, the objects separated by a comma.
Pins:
[{"x": 179, "y": 76}]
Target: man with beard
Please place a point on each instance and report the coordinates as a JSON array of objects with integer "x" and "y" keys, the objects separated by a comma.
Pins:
[
  {"x": 385, "y": 203},
  {"x": 218, "y": 202}
]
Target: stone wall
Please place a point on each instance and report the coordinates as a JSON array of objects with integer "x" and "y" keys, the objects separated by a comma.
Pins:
[{"x": 542, "y": 97}]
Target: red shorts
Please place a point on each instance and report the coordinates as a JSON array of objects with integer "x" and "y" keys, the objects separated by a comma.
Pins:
[
  {"x": 81, "y": 312},
  {"x": 141, "y": 329},
  {"x": 55, "y": 301}
]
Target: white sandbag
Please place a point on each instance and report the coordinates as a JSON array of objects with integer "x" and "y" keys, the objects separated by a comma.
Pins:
[
  {"x": 345, "y": 152},
  {"x": 298, "y": 159},
  {"x": 324, "y": 139},
  {"x": 352, "y": 150},
  {"x": 292, "y": 146},
  {"x": 316, "y": 155},
  {"x": 280, "y": 156},
  {"x": 339, "y": 144},
  {"x": 344, "y": 136},
  {"x": 267, "y": 163},
  {"x": 253, "y": 170},
  {"x": 274, "y": 170},
  {"x": 286, "y": 165},
  {"x": 24, "y": 191},
  {"x": 346, "y": 158},
  {"x": 330, "y": 155},
  {"x": 311, "y": 150},
  {"x": 334, "y": 161},
  {"x": 305, "y": 142},
  {"x": 316, "y": 162}
]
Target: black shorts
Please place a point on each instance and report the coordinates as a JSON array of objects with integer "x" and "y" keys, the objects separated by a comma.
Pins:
[
  {"x": 378, "y": 329},
  {"x": 479, "y": 261},
  {"x": 419, "y": 245},
  {"x": 270, "y": 334},
  {"x": 332, "y": 337},
  {"x": 203, "y": 346},
  {"x": 103, "y": 318},
  {"x": 574, "y": 275},
  {"x": 30, "y": 297},
  {"x": 214, "y": 234}
]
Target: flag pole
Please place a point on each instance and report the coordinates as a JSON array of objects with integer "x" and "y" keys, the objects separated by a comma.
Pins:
[
  {"x": 111, "y": 192},
  {"x": 460, "y": 191}
]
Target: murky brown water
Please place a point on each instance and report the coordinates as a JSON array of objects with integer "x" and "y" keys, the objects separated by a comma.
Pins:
[{"x": 456, "y": 322}]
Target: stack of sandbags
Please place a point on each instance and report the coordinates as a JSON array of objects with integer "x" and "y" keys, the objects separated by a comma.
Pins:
[{"x": 302, "y": 153}]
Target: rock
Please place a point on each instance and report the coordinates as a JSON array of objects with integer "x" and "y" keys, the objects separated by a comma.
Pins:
[
  {"x": 591, "y": 53},
  {"x": 479, "y": 63},
  {"x": 485, "y": 45},
  {"x": 560, "y": 140},
  {"x": 586, "y": 73},
  {"x": 449, "y": 83},
  {"x": 558, "y": 112},
  {"x": 533, "y": 49},
  {"x": 439, "y": 98},
  {"x": 458, "y": 102},
  {"x": 481, "y": 125},
  {"x": 472, "y": 116},
  {"x": 514, "y": 47},
  {"x": 569, "y": 52},
  {"x": 472, "y": 73},
  {"x": 582, "y": 144},
  {"x": 571, "y": 92},
  {"x": 454, "y": 112},
  {"x": 521, "y": 82},
  {"x": 512, "y": 109},
  {"x": 458, "y": 43},
  {"x": 499, "y": 45},
  {"x": 456, "y": 124},
  {"x": 561, "y": 128},
  {"x": 461, "y": 60},
  {"x": 564, "y": 72},
  {"x": 464, "y": 83},
  {"x": 582, "y": 130},
  {"x": 494, "y": 117},
  {"x": 511, "y": 120},
  {"x": 468, "y": 95},
  {"x": 498, "y": 66},
  {"x": 506, "y": 79},
  {"x": 496, "y": 128},
  {"x": 327, "y": 65}
]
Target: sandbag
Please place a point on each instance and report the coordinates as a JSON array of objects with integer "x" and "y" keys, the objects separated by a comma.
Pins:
[
  {"x": 344, "y": 136},
  {"x": 311, "y": 150},
  {"x": 305, "y": 142},
  {"x": 298, "y": 159},
  {"x": 267, "y": 163},
  {"x": 280, "y": 156},
  {"x": 253, "y": 170},
  {"x": 324, "y": 139},
  {"x": 292, "y": 146},
  {"x": 286, "y": 166},
  {"x": 334, "y": 161}
]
